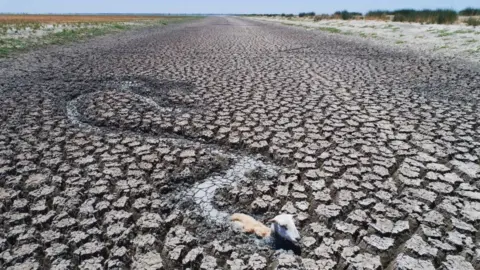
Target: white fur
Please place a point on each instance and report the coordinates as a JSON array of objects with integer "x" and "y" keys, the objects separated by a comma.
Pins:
[{"x": 287, "y": 221}]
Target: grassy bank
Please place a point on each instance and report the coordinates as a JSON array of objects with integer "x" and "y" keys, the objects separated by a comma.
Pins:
[{"x": 20, "y": 33}]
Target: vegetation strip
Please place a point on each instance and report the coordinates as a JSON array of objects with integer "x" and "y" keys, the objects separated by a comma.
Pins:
[
  {"x": 23, "y": 32},
  {"x": 438, "y": 16}
]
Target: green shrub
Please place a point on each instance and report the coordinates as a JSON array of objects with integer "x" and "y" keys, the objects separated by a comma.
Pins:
[
  {"x": 440, "y": 16},
  {"x": 374, "y": 13},
  {"x": 470, "y": 12},
  {"x": 321, "y": 17},
  {"x": 378, "y": 14},
  {"x": 473, "y": 22},
  {"x": 446, "y": 16},
  {"x": 119, "y": 26},
  {"x": 399, "y": 18},
  {"x": 345, "y": 15},
  {"x": 306, "y": 14}
]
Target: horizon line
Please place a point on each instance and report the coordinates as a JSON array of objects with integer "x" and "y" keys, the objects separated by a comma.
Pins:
[{"x": 175, "y": 13}]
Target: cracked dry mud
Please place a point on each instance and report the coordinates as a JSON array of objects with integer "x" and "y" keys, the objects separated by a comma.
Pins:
[{"x": 128, "y": 151}]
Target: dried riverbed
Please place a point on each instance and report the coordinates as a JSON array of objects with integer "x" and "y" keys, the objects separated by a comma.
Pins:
[{"x": 130, "y": 150}]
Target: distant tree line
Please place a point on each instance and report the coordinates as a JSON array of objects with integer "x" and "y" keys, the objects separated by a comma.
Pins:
[
  {"x": 306, "y": 14},
  {"x": 271, "y": 15},
  {"x": 440, "y": 16}
]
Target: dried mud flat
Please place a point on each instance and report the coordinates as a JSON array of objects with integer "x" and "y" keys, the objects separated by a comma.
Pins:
[{"x": 129, "y": 151}]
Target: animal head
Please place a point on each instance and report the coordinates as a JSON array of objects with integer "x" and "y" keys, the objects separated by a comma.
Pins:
[{"x": 284, "y": 226}]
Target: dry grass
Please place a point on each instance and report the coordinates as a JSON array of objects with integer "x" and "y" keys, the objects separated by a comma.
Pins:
[{"x": 56, "y": 19}]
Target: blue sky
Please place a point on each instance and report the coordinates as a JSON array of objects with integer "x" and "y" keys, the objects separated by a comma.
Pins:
[{"x": 220, "y": 6}]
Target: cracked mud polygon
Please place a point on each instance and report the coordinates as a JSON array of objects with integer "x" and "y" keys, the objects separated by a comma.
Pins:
[{"x": 131, "y": 150}]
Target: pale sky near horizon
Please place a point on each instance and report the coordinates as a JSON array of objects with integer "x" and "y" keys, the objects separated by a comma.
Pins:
[{"x": 221, "y": 6}]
